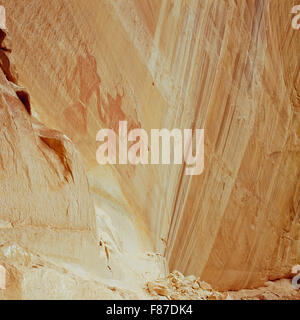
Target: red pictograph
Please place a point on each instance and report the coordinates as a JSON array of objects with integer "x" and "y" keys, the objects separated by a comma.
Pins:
[{"x": 109, "y": 108}]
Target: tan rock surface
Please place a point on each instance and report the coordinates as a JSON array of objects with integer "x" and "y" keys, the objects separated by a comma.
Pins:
[
  {"x": 43, "y": 183},
  {"x": 30, "y": 276},
  {"x": 49, "y": 241},
  {"x": 229, "y": 67},
  {"x": 177, "y": 287}
]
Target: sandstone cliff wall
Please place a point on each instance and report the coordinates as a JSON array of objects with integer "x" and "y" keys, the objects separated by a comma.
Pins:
[{"x": 230, "y": 67}]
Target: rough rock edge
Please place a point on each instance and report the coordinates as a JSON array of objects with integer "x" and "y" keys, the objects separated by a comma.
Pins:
[
  {"x": 178, "y": 287},
  {"x": 8, "y": 68}
]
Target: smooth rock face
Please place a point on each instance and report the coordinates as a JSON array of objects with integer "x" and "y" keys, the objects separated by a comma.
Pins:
[{"x": 229, "y": 67}]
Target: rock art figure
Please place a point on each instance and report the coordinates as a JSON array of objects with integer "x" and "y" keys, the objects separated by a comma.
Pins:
[
  {"x": 89, "y": 84},
  {"x": 109, "y": 109}
]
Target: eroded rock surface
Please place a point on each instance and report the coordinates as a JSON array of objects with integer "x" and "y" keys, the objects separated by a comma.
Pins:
[
  {"x": 177, "y": 287},
  {"x": 49, "y": 244},
  {"x": 230, "y": 67}
]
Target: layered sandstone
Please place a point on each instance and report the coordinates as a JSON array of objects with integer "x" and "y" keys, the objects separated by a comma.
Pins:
[
  {"x": 50, "y": 245},
  {"x": 229, "y": 67}
]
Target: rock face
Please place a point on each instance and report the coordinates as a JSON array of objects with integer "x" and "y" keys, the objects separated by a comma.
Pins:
[
  {"x": 46, "y": 206},
  {"x": 229, "y": 67},
  {"x": 50, "y": 245},
  {"x": 177, "y": 287}
]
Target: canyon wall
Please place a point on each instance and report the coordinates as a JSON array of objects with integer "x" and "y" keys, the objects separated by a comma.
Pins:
[
  {"x": 50, "y": 246},
  {"x": 230, "y": 67}
]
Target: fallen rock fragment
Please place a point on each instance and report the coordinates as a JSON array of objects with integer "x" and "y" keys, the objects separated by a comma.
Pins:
[{"x": 177, "y": 287}]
